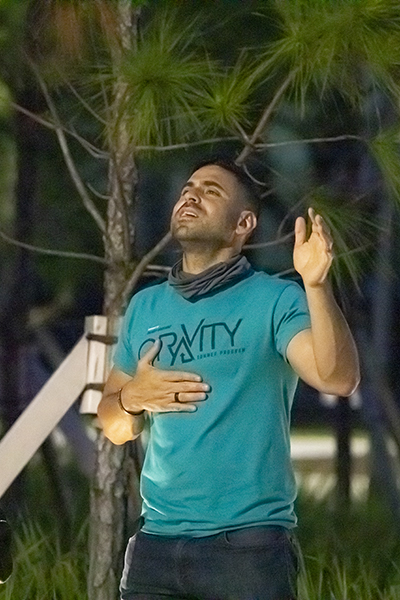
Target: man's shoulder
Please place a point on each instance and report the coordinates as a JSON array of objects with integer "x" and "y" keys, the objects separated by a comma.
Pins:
[
  {"x": 146, "y": 296},
  {"x": 272, "y": 283},
  {"x": 151, "y": 289}
]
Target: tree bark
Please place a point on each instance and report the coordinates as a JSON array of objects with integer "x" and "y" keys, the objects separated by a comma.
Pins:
[
  {"x": 381, "y": 411},
  {"x": 108, "y": 513}
]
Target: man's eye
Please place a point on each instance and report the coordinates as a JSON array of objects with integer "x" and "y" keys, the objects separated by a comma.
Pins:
[{"x": 213, "y": 192}]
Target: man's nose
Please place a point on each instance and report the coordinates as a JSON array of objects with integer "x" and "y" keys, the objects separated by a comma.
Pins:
[{"x": 192, "y": 198}]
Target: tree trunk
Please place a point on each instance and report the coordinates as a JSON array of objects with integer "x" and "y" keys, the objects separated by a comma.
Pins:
[
  {"x": 108, "y": 514},
  {"x": 381, "y": 410}
]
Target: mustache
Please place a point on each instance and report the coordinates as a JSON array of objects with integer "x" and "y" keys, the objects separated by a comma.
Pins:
[{"x": 188, "y": 205}]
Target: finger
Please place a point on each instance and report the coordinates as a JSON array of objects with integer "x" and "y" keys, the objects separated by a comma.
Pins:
[
  {"x": 299, "y": 232},
  {"x": 185, "y": 397},
  {"x": 181, "y": 376},
  {"x": 151, "y": 353},
  {"x": 189, "y": 387},
  {"x": 328, "y": 240},
  {"x": 324, "y": 231},
  {"x": 178, "y": 407}
]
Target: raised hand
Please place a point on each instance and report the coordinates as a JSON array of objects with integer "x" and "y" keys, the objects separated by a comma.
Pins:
[
  {"x": 312, "y": 258},
  {"x": 155, "y": 390}
]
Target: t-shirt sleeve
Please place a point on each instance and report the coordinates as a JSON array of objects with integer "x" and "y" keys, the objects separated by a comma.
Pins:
[
  {"x": 291, "y": 316},
  {"x": 123, "y": 358}
]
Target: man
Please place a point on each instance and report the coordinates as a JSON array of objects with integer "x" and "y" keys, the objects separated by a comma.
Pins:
[{"x": 210, "y": 360}]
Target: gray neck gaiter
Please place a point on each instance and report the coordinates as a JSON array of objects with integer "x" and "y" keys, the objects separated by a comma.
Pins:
[{"x": 192, "y": 287}]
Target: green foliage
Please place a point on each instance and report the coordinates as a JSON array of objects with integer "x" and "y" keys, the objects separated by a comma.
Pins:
[
  {"x": 385, "y": 149},
  {"x": 162, "y": 76},
  {"x": 349, "y": 45},
  {"x": 43, "y": 571},
  {"x": 348, "y": 555},
  {"x": 172, "y": 90},
  {"x": 353, "y": 232},
  {"x": 12, "y": 15},
  {"x": 227, "y": 99}
]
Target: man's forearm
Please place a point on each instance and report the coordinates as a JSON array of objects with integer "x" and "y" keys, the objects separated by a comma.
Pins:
[{"x": 334, "y": 348}]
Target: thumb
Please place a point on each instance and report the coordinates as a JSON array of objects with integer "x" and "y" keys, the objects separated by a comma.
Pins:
[
  {"x": 299, "y": 232},
  {"x": 147, "y": 359}
]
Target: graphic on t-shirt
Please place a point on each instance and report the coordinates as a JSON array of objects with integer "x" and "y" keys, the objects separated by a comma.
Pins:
[{"x": 205, "y": 341}]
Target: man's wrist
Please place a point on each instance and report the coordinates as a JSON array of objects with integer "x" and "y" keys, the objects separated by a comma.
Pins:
[
  {"x": 132, "y": 413},
  {"x": 323, "y": 286}
]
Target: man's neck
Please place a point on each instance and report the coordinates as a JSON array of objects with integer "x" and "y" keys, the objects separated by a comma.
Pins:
[{"x": 197, "y": 262}]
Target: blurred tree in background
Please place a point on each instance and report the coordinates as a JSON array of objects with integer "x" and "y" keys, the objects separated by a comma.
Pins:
[{"x": 103, "y": 107}]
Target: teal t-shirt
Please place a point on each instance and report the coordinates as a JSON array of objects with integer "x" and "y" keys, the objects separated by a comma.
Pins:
[{"x": 228, "y": 464}]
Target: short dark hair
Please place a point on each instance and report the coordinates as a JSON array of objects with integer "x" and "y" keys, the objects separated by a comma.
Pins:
[{"x": 251, "y": 195}]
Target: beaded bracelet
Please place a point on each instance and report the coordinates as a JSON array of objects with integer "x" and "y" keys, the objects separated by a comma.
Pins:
[{"x": 122, "y": 407}]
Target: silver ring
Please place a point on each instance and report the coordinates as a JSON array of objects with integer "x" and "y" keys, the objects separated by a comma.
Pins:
[{"x": 177, "y": 397}]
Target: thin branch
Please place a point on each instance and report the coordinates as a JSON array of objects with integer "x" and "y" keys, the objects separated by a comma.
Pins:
[
  {"x": 88, "y": 146},
  {"x": 288, "y": 215},
  {"x": 242, "y": 133},
  {"x": 159, "y": 268},
  {"x": 268, "y": 193},
  {"x": 32, "y": 116},
  {"x": 281, "y": 240},
  {"x": 48, "y": 252},
  {"x": 257, "y": 181},
  {"x": 289, "y": 181},
  {"x": 96, "y": 193},
  {"x": 143, "y": 264},
  {"x": 359, "y": 250},
  {"x": 93, "y": 150},
  {"x": 337, "y": 138},
  {"x": 86, "y": 105},
  {"x": 76, "y": 178},
  {"x": 188, "y": 144},
  {"x": 287, "y": 272},
  {"x": 249, "y": 145}
]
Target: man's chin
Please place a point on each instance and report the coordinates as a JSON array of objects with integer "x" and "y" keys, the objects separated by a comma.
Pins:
[
  {"x": 188, "y": 236},
  {"x": 185, "y": 233}
]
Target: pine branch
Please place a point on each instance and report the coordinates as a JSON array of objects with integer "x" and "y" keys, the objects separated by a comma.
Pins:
[
  {"x": 86, "y": 105},
  {"x": 158, "y": 268},
  {"x": 49, "y": 252},
  {"x": 281, "y": 240},
  {"x": 292, "y": 210},
  {"x": 76, "y": 178},
  {"x": 93, "y": 150},
  {"x": 287, "y": 272},
  {"x": 184, "y": 145},
  {"x": 97, "y": 193},
  {"x": 142, "y": 266},
  {"x": 321, "y": 140},
  {"x": 32, "y": 115},
  {"x": 262, "y": 123},
  {"x": 88, "y": 146}
]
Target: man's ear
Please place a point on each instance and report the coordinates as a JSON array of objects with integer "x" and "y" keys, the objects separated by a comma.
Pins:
[{"x": 246, "y": 224}]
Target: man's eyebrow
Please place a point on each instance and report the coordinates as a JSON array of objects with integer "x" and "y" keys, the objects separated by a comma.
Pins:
[{"x": 208, "y": 183}]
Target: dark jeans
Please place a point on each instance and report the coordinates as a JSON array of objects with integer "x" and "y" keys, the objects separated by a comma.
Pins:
[{"x": 256, "y": 563}]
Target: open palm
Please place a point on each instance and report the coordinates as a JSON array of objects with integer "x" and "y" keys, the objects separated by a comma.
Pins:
[{"x": 312, "y": 258}]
